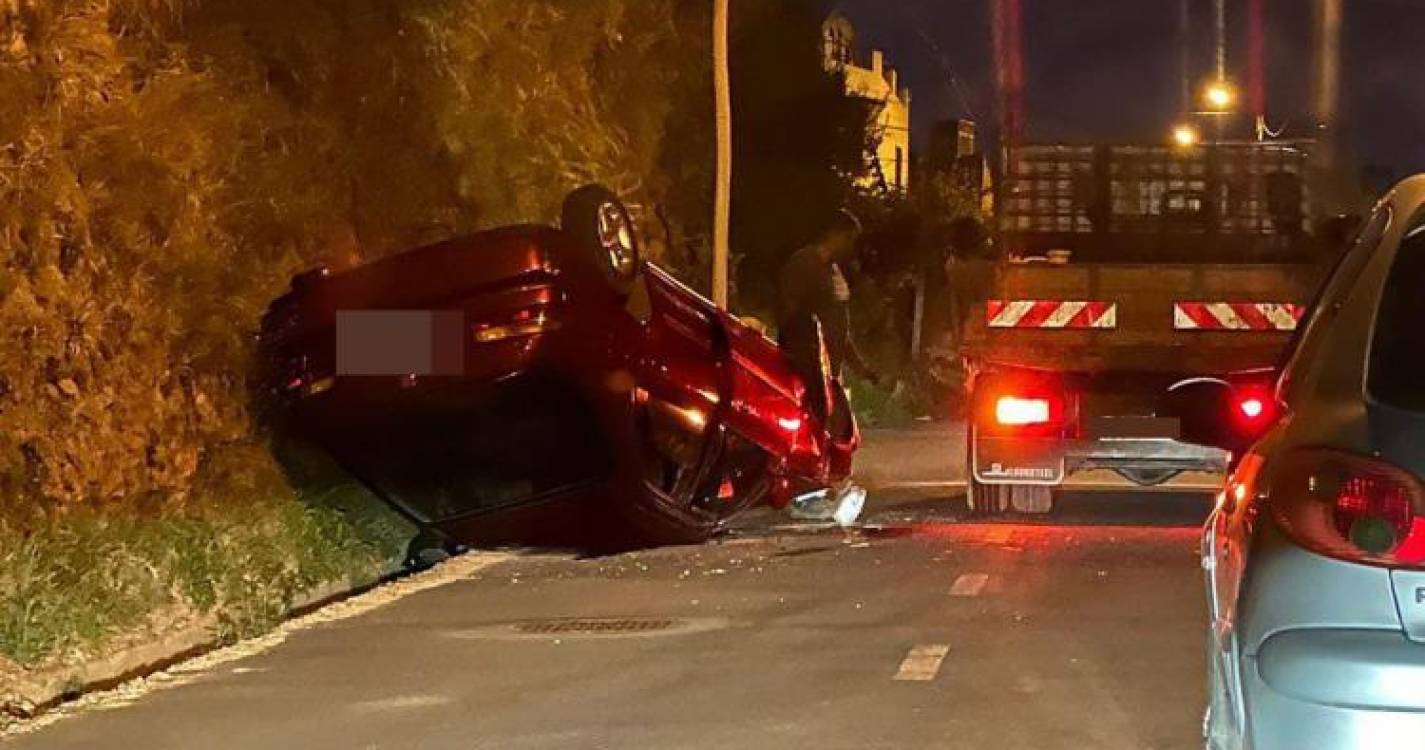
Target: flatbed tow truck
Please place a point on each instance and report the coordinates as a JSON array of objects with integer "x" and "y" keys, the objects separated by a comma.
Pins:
[{"x": 1142, "y": 297}]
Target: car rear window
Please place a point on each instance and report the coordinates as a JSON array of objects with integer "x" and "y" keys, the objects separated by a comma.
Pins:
[
  {"x": 1301, "y": 351},
  {"x": 1396, "y": 352}
]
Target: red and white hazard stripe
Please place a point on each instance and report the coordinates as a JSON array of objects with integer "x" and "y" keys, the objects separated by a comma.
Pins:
[
  {"x": 1052, "y": 314},
  {"x": 1236, "y": 316}
]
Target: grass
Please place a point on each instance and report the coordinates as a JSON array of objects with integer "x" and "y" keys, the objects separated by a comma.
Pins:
[
  {"x": 880, "y": 406},
  {"x": 82, "y": 578}
]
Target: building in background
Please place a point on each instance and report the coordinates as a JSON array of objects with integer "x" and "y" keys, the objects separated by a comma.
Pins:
[
  {"x": 874, "y": 80},
  {"x": 954, "y": 160}
]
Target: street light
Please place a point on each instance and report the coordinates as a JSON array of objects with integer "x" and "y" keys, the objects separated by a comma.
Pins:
[
  {"x": 1186, "y": 136},
  {"x": 1220, "y": 97}
]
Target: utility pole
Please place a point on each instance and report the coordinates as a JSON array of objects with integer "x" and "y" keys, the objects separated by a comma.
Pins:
[
  {"x": 1256, "y": 65},
  {"x": 1220, "y": 18},
  {"x": 1328, "y": 61},
  {"x": 722, "y": 203},
  {"x": 1185, "y": 53},
  {"x": 1335, "y": 193},
  {"x": 1007, "y": 19}
]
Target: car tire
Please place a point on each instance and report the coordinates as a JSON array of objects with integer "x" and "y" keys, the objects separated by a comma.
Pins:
[{"x": 603, "y": 236}]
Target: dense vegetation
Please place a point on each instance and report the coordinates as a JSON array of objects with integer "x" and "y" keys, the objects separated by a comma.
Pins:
[{"x": 167, "y": 165}]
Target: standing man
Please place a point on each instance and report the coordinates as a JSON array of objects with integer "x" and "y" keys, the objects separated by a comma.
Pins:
[{"x": 816, "y": 309}]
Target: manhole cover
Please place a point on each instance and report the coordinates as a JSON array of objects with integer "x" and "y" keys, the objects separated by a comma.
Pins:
[
  {"x": 624, "y": 626},
  {"x": 592, "y": 627}
]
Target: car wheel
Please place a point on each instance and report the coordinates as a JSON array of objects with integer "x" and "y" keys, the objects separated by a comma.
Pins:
[{"x": 603, "y": 236}]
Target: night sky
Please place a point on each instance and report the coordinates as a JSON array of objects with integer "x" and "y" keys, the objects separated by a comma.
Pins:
[{"x": 1108, "y": 70}]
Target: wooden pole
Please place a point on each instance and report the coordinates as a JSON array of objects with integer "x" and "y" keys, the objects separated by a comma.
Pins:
[{"x": 722, "y": 204}]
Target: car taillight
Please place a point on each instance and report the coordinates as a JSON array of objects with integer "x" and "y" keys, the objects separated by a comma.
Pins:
[
  {"x": 1350, "y": 507},
  {"x": 1015, "y": 411},
  {"x": 521, "y": 324}
]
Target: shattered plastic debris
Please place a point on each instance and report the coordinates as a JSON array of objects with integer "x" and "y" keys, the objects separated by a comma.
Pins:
[
  {"x": 815, "y": 506},
  {"x": 844, "y": 506},
  {"x": 850, "y": 505}
]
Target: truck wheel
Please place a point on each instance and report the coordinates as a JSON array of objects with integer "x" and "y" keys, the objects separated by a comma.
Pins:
[
  {"x": 987, "y": 499},
  {"x": 997, "y": 499}
]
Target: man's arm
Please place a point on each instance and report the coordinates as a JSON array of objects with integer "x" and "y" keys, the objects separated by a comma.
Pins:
[{"x": 857, "y": 363}]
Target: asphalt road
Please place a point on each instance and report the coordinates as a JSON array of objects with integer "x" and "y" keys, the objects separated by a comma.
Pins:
[{"x": 922, "y": 630}]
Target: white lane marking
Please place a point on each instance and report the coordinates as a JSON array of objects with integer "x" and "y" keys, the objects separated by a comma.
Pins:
[
  {"x": 401, "y": 703},
  {"x": 922, "y": 664},
  {"x": 970, "y": 584}
]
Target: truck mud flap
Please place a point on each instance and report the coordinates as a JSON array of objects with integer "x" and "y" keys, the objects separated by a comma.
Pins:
[{"x": 1018, "y": 460}]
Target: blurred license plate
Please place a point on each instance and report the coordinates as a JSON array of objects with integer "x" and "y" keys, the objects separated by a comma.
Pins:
[
  {"x": 400, "y": 342},
  {"x": 1133, "y": 428}
]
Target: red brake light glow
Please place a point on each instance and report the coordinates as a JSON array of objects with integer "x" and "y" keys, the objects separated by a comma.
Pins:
[
  {"x": 1254, "y": 411},
  {"x": 1013, "y": 411}
]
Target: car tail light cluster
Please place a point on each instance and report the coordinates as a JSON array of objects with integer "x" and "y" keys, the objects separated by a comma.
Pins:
[
  {"x": 1349, "y": 507},
  {"x": 521, "y": 324}
]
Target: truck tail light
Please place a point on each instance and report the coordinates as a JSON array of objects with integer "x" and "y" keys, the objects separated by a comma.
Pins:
[
  {"x": 1017, "y": 411},
  {"x": 1254, "y": 411},
  {"x": 1351, "y": 508}
]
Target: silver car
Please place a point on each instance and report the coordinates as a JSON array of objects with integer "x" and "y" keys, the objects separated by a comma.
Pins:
[{"x": 1315, "y": 554}]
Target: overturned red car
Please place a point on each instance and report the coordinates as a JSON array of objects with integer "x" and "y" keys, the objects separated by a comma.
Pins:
[{"x": 531, "y": 384}]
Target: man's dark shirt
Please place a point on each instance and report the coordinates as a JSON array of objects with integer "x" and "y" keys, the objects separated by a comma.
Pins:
[{"x": 813, "y": 288}]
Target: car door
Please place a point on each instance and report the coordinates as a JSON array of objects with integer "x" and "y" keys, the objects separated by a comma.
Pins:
[
  {"x": 679, "y": 378},
  {"x": 1227, "y": 536},
  {"x": 1396, "y": 393}
]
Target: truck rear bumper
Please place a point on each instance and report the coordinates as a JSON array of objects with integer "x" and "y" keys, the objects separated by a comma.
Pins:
[{"x": 1112, "y": 463}]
